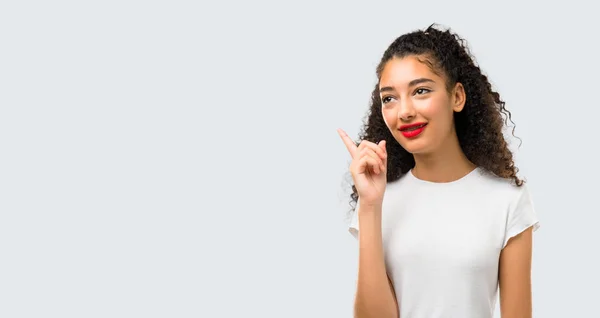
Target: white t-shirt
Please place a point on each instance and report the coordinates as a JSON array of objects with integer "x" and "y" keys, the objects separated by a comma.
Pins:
[{"x": 442, "y": 241}]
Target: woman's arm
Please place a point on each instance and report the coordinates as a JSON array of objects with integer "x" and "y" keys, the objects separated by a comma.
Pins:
[
  {"x": 515, "y": 276},
  {"x": 375, "y": 294}
]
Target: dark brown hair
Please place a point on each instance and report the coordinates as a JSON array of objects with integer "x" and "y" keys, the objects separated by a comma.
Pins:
[{"x": 478, "y": 126}]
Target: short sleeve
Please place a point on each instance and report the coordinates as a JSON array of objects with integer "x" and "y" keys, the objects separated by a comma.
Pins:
[
  {"x": 521, "y": 215},
  {"x": 353, "y": 226}
]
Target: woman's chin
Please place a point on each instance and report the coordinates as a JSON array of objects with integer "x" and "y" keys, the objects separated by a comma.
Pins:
[{"x": 414, "y": 146}]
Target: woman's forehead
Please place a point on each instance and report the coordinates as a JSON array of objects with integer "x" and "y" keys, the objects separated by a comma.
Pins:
[{"x": 403, "y": 72}]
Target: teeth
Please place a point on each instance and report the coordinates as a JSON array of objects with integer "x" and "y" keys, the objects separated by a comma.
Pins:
[{"x": 414, "y": 128}]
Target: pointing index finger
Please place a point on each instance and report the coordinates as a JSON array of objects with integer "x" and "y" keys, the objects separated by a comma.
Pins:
[{"x": 350, "y": 145}]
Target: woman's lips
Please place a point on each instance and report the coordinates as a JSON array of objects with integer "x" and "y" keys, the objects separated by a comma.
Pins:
[{"x": 413, "y": 130}]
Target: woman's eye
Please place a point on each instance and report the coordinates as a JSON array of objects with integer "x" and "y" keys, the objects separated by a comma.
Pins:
[
  {"x": 421, "y": 91},
  {"x": 386, "y": 99}
]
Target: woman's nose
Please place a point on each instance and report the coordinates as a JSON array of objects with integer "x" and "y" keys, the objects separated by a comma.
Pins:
[{"x": 406, "y": 111}]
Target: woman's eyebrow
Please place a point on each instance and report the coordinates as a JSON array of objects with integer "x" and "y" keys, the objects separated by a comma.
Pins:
[{"x": 412, "y": 83}]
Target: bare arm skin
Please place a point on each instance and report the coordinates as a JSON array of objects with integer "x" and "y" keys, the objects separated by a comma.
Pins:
[
  {"x": 375, "y": 296},
  {"x": 515, "y": 277}
]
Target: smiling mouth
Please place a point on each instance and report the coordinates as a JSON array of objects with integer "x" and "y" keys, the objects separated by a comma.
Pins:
[{"x": 411, "y": 128}]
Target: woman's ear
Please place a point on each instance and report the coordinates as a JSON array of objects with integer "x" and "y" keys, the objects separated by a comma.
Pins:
[{"x": 459, "y": 97}]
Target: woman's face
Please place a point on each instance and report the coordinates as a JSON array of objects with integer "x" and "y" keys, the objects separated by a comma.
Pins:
[{"x": 411, "y": 94}]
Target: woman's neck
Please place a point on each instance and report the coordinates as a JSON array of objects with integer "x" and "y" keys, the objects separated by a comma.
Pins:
[{"x": 445, "y": 165}]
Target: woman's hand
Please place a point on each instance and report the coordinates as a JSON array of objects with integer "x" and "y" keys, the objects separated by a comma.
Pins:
[{"x": 368, "y": 168}]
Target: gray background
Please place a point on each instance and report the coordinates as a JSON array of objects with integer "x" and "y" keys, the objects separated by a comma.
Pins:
[{"x": 177, "y": 159}]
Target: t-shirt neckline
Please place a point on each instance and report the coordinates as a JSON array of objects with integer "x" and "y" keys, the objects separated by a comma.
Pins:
[{"x": 441, "y": 184}]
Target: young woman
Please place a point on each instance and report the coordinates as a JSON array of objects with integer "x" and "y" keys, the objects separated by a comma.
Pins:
[{"x": 444, "y": 219}]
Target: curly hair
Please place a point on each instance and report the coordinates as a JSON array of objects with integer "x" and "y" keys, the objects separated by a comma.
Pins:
[{"x": 478, "y": 126}]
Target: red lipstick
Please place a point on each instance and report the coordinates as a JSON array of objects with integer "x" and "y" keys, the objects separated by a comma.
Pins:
[{"x": 412, "y": 130}]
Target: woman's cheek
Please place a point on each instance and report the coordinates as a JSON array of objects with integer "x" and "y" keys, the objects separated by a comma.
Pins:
[
  {"x": 423, "y": 107},
  {"x": 384, "y": 115}
]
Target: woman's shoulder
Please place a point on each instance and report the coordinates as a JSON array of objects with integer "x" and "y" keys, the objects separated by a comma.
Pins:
[
  {"x": 500, "y": 185},
  {"x": 399, "y": 181}
]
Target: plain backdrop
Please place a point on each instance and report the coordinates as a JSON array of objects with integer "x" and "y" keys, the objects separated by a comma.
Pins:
[{"x": 180, "y": 158}]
